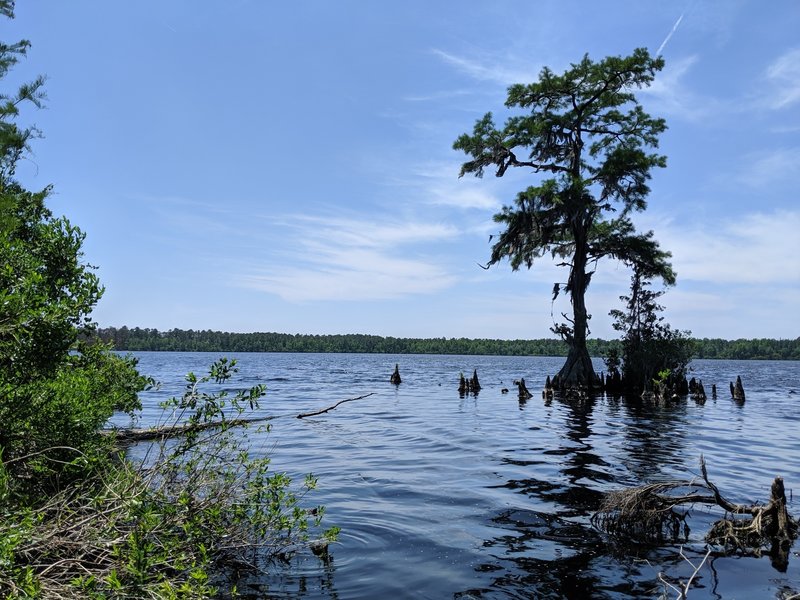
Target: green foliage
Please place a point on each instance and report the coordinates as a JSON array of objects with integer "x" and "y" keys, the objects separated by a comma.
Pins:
[
  {"x": 46, "y": 292},
  {"x": 585, "y": 131},
  {"x": 77, "y": 519},
  {"x": 196, "y": 515},
  {"x": 136, "y": 338},
  {"x": 51, "y": 427},
  {"x": 266, "y": 513},
  {"x": 54, "y": 391},
  {"x": 652, "y": 352}
]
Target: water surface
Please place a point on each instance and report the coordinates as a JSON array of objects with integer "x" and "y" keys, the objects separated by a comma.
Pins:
[{"x": 440, "y": 496}]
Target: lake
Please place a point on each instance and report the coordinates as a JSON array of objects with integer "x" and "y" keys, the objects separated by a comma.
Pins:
[{"x": 440, "y": 496}]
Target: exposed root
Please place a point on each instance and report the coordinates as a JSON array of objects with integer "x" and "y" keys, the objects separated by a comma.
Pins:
[
  {"x": 648, "y": 513},
  {"x": 653, "y": 513}
]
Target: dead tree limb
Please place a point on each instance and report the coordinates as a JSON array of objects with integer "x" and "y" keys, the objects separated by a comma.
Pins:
[
  {"x": 130, "y": 436},
  {"x": 125, "y": 437},
  {"x": 650, "y": 513},
  {"x": 319, "y": 412}
]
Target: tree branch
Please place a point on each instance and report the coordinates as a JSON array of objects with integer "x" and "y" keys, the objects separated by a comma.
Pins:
[{"x": 319, "y": 412}]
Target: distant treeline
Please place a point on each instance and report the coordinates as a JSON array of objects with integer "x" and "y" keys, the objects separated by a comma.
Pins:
[{"x": 217, "y": 341}]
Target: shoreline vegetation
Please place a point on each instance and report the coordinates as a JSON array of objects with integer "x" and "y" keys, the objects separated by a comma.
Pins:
[
  {"x": 187, "y": 517},
  {"x": 179, "y": 340}
]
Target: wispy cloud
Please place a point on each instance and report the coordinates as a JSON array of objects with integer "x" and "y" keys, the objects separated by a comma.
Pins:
[
  {"x": 439, "y": 184},
  {"x": 436, "y": 96},
  {"x": 776, "y": 166},
  {"x": 504, "y": 71},
  {"x": 784, "y": 77},
  {"x": 668, "y": 94},
  {"x": 352, "y": 259},
  {"x": 753, "y": 250}
]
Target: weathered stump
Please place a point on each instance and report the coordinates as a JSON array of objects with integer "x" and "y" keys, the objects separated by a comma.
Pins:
[
  {"x": 714, "y": 391},
  {"x": 548, "y": 391},
  {"x": 395, "y": 378},
  {"x": 476, "y": 385},
  {"x": 462, "y": 384},
  {"x": 614, "y": 386},
  {"x": 737, "y": 390},
  {"x": 698, "y": 391},
  {"x": 468, "y": 386},
  {"x": 770, "y": 525},
  {"x": 524, "y": 394},
  {"x": 651, "y": 513}
]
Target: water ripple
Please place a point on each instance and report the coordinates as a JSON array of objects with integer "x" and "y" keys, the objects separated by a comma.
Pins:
[{"x": 487, "y": 497}]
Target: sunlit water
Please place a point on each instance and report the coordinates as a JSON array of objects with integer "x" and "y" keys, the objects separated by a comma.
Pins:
[{"x": 440, "y": 496}]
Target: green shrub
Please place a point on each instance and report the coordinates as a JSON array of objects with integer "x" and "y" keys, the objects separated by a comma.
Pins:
[{"x": 188, "y": 521}]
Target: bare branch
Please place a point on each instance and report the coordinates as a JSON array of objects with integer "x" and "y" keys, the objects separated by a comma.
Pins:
[{"x": 319, "y": 412}]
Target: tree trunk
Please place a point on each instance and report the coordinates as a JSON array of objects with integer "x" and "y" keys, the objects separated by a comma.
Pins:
[{"x": 578, "y": 371}]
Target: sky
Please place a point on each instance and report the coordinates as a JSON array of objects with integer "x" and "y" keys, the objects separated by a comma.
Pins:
[{"x": 288, "y": 166}]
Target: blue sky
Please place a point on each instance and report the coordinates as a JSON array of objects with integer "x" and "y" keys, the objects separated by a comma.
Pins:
[{"x": 265, "y": 166}]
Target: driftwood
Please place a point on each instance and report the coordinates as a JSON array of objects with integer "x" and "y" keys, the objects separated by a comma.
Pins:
[
  {"x": 124, "y": 437},
  {"x": 649, "y": 513},
  {"x": 395, "y": 377},
  {"x": 319, "y": 412}
]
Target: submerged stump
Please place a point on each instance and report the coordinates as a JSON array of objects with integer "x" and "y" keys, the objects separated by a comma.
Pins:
[
  {"x": 655, "y": 513},
  {"x": 548, "y": 391},
  {"x": 395, "y": 378},
  {"x": 476, "y": 385},
  {"x": 469, "y": 386},
  {"x": 737, "y": 390},
  {"x": 524, "y": 394}
]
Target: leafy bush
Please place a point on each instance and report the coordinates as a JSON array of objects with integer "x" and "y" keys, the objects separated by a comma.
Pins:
[
  {"x": 650, "y": 347},
  {"x": 188, "y": 521},
  {"x": 50, "y": 430},
  {"x": 78, "y": 519}
]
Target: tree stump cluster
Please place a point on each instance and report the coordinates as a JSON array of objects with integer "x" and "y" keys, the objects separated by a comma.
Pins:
[
  {"x": 737, "y": 390},
  {"x": 697, "y": 391},
  {"x": 469, "y": 386},
  {"x": 673, "y": 388}
]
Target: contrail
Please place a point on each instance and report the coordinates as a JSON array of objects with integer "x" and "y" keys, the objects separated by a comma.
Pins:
[{"x": 669, "y": 35}]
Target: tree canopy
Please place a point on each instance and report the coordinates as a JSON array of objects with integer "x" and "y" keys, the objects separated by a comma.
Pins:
[
  {"x": 79, "y": 519},
  {"x": 147, "y": 339},
  {"x": 55, "y": 391},
  {"x": 589, "y": 140}
]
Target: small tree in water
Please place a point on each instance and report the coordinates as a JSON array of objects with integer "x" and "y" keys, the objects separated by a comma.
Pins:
[
  {"x": 587, "y": 131},
  {"x": 651, "y": 349}
]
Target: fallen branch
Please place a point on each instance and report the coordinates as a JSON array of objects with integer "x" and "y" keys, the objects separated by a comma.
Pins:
[
  {"x": 683, "y": 591},
  {"x": 319, "y": 412},
  {"x": 130, "y": 436},
  {"x": 649, "y": 513}
]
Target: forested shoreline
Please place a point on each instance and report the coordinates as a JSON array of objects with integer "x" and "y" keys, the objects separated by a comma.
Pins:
[{"x": 138, "y": 339}]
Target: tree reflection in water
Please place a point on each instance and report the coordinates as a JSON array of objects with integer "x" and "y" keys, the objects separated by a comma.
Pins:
[{"x": 559, "y": 554}]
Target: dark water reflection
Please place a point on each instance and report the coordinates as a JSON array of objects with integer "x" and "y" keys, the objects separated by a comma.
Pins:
[{"x": 444, "y": 496}]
